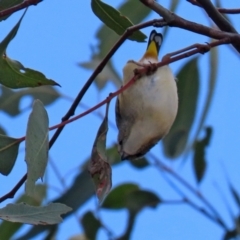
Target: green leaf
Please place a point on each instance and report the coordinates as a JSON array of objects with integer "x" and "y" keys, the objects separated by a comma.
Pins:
[
  {"x": 117, "y": 198},
  {"x": 10, "y": 100},
  {"x": 107, "y": 38},
  {"x": 108, "y": 73},
  {"x": 36, "y": 145},
  {"x": 8, "y": 153},
  {"x": 188, "y": 86},
  {"x": 24, "y": 213},
  {"x": 115, "y": 20},
  {"x": 138, "y": 199},
  {"x": 8, "y": 229},
  {"x": 199, "y": 155},
  {"x": 90, "y": 225},
  {"x": 12, "y": 73},
  {"x": 99, "y": 167},
  {"x": 131, "y": 197}
]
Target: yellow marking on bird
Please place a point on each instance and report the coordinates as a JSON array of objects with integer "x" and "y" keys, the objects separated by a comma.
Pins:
[{"x": 152, "y": 51}]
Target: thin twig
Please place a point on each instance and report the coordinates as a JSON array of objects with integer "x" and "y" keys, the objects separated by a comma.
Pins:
[
  {"x": 221, "y": 10},
  {"x": 187, "y": 200},
  {"x": 162, "y": 166},
  {"x": 173, "y": 20},
  {"x": 18, "y": 7}
]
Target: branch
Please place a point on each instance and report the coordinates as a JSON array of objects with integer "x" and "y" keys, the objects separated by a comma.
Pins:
[
  {"x": 221, "y": 10},
  {"x": 174, "y": 20},
  {"x": 18, "y": 7},
  {"x": 217, "y": 17}
]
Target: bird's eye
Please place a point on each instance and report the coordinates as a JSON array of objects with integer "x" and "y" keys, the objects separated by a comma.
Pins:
[{"x": 120, "y": 142}]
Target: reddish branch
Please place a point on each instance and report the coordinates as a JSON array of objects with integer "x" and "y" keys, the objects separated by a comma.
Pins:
[{"x": 18, "y": 7}]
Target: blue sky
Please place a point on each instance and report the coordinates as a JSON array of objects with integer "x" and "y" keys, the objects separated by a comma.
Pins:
[{"x": 54, "y": 36}]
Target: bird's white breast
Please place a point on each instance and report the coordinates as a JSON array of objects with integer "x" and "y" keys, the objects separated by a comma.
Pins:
[{"x": 152, "y": 103}]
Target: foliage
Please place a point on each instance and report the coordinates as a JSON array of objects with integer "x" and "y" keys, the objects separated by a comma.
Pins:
[{"x": 94, "y": 177}]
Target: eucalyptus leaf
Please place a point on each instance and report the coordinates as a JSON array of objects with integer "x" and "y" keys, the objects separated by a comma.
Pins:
[
  {"x": 8, "y": 153},
  {"x": 115, "y": 20},
  {"x": 199, "y": 158},
  {"x": 99, "y": 167},
  {"x": 25, "y": 213},
  {"x": 36, "y": 145},
  {"x": 188, "y": 88},
  {"x": 8, "y": 229},
  {"x": 90, "y": 225},
  {"x": 10, "y": 100},
  {"x": 107, "y": 38},
  {"x": 117, "y": 198}
]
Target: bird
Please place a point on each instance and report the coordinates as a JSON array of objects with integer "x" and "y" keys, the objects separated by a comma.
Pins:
[{"x": 146, "y": 110}]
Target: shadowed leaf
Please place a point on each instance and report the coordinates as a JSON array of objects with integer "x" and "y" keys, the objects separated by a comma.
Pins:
[
  {"x": 199, "y": 155},
  {"x": 188, "y": 85},
  {"x": 10, "y": 100},
  {"x": 139, "y": 199},
  {"x": 90, "y": 225},
  {"x": 99, "y": 166},
  {"x": 117, "y": 198},
  {"x": 24, "y": 213},
  {"x": 8, "y": 153},
  {"x": 36, "y": 145}
]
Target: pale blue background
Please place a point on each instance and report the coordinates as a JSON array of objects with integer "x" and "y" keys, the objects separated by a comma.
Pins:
[{"x": 53, "y": 38}]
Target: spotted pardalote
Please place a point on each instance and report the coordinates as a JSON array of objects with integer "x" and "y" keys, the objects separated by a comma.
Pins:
[{"x": 146, "y": 110}]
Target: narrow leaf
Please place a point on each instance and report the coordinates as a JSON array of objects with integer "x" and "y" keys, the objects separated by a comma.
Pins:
[
  {"x": 99, "y": 167},
  {"x": 36, "y": 145},
  {"x": 188, "y": 85},
  {"x": 8, "y": 153},
  {"x": 12, "y": 73},
  {"x": 107, "y": 38},
  {"x": 90, "y": 225},
  {"x": 114, "y": 20},
  {"x": 34, "y": 215},
  {"x": 199, "y": 155}
]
